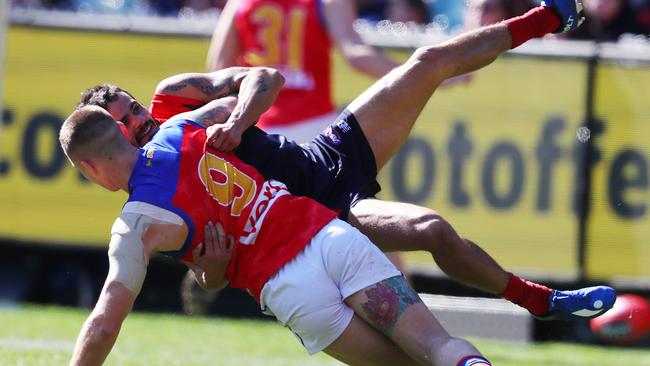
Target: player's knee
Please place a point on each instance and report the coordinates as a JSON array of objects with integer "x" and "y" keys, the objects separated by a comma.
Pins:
[
  {"x": 435, "y": 59},
  {"x": 434, "y": 232},
  {"x": 425, "y": 53},
  {"x": 104, "y": 328},
  {"x": 431, "y": 55}
]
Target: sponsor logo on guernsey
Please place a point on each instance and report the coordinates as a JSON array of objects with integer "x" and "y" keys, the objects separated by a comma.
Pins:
[
  {"x": 343, "y": 126},
  {"x": 333, "y": 135},
  {"x": 271, "y": 191}
]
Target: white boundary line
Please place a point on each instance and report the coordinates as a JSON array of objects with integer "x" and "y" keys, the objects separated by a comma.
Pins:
[{"x": 36, "y": 344}]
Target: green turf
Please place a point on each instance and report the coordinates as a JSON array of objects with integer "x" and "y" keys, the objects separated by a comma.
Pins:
[{"x": 37, "y": 336}]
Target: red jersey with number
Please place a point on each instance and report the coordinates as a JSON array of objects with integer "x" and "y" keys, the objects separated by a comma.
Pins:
[
  {"x": 288, "y": 35},
  {"x": 177, "y": 172}
]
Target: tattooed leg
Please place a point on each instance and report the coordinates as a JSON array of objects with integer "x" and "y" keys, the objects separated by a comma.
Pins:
[
  {"x": 387, "y": 301},
  {"x": 392, "y": 307}
]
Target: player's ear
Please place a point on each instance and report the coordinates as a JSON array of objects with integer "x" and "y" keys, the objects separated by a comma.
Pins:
[
  {"x": 124, "y": 130},
  {"x": 88, "y": 169}
]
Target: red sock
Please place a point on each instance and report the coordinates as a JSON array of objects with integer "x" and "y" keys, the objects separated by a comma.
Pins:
[
  {"x": 538, "y": 22},
  {"x": 529, "y": 295}
]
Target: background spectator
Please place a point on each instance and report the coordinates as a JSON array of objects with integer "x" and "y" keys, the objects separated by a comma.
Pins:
[
  {"x": 371, "y": 10},
  {"x": 447, "y": 14},
  {"x": 607, "y": 20},
  {"x": 407, "y": 11},
  {"x": 484, "y": 12}
]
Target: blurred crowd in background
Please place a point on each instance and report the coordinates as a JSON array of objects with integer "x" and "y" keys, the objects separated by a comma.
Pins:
[{"x": 607, "y": 20}]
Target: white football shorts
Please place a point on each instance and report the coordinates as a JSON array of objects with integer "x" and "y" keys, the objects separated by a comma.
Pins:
[{"x": 306, "y": 295}]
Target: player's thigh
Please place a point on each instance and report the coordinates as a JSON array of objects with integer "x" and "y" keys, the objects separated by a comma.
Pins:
[
  {"x": 396, "y": 226},
  {"x": 304, "y": 299},
  {"x": 306, "y": 294},
  {"x": 394, "y": 309},
  {"x": 388, "y": 109},
  {"x": 361, "y": 344}
]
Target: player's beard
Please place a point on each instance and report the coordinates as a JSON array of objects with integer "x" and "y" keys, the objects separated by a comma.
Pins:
[{"x": 146, "y": 131}]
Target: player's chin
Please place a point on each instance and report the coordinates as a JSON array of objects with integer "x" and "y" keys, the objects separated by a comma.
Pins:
[{"x": 149, "y": 129}]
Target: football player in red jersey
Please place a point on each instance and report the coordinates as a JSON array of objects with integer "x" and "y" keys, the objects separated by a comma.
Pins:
[
  {"x": 297, "y": 38},
  {"x": 362, "y": 310}
]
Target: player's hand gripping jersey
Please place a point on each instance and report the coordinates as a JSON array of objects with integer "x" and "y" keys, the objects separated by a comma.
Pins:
[
  {"x": 336, "y": 169},
  {"x": 270, "y": 226},
  {"x": 288, "y": 35}
]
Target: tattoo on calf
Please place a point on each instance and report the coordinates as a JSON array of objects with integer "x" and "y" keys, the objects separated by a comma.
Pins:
[{"x": 387, "y": 301}]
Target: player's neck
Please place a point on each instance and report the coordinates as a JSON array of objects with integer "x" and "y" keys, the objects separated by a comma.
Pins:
[{"x": 124, "y": 165}]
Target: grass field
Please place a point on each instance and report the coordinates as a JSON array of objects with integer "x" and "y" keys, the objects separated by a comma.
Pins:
[{"x": 39, "y": 336}]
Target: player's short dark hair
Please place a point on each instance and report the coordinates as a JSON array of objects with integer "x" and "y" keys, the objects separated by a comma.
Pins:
[{"x": 100, "y": 95}]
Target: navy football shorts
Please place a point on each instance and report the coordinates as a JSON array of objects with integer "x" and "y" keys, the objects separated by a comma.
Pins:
[{"x": 337, "y": 168}]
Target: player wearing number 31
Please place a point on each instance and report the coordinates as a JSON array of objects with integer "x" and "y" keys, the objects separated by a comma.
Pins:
[{"x": 295, "y": 37}]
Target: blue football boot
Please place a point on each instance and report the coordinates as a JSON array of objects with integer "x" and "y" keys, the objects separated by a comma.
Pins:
[
  {"x": 585, "y": 303},
  {"x": 569, "y": 11}
]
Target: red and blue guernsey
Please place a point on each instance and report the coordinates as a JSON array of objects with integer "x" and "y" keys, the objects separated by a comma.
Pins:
[{"x": 177, "y": 172}]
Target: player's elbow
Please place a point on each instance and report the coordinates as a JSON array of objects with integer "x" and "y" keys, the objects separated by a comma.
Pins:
[
  {"x": 438, "y": 58},
  {"x": 269, "y": 79},
  {"x": 274, "y": 76},
  {"x": 104, "y": 329}
]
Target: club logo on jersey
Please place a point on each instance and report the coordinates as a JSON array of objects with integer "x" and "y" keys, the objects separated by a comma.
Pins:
[
  {"x": 333, "y": 135},
  {"x": 271, "y": 191},
  {"x": 149, "y": 156},
  {"x": 226, "y": 184},
  {"x": 569, "y": 24},
  {"x": 343, "y": 126}
]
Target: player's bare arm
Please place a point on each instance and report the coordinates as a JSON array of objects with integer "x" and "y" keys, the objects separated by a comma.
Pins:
[
  {"x": 224, "y": 46},
  {"x": 213, "y": 113},
  {"x": 256, "y": 88},
  {"x": 215, "y": 116},
  {"x": 134, "y": 238},
  {"x": 213, "y": 85},
  {"x": 340, "y": 16},
  {"x": 102, "y": 327}
]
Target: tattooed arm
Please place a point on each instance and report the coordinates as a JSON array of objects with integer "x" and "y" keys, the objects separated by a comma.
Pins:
[
  {"x": 215, "y": 117},
  {"x": 259, "y": 83},
  {"x": 256, "y": 89},
  {"x": 215, "y": 112}
]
